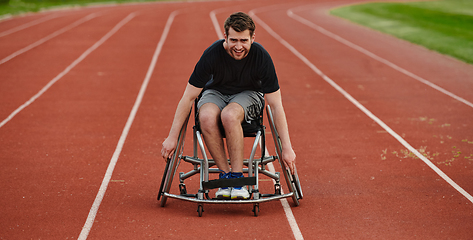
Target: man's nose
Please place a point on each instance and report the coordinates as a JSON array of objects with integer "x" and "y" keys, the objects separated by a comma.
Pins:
[{"x": 239, "y": 45}]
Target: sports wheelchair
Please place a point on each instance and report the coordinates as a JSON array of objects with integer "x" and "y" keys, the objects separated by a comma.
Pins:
[{"x": 252, "y": 166}]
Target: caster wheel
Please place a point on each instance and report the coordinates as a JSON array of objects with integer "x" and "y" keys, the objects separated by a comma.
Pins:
[
  {"x": 200, "y": 210},
  {"x": 182, "y": 189},
  {"x": 256, "y": 210},
  {"x": 277, "y": 189}
]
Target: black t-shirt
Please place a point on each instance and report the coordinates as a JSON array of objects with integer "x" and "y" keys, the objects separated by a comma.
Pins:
[{"x": 217, "y": 70}]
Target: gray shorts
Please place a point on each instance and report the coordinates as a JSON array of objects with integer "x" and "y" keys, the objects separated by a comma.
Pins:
[{"x": 251, "y": 101}]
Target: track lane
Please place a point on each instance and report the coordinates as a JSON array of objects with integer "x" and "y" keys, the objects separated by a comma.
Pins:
[
  {"x": 5, "y": 31},
  {"x": 324, "y": 54},
  {"x": 25, "y": 76},
  {"x": 304, "y": 21},
  {"x": 47, "y": 38},
  {"x": 447, "y": 111},
  {"x": 55, "y": 152},
  {"x": 445, "y": 68},
  {"x": 11, "y": 24},
  {"x": 368, "y": 113},
  {"x": 21, "y": 39}
]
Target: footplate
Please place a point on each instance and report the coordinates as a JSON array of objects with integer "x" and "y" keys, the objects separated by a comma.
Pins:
[{"x": 218, "y": 201}]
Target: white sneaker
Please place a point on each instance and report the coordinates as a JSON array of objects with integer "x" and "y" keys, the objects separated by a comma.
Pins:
[
  {"x": 240, "y": 193},
  {"x": 223, "y": 193}
]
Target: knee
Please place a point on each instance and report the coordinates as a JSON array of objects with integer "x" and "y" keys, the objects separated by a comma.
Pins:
[
  {"x": 232, "y": 117},
  {"x": 208, "y": 119}
]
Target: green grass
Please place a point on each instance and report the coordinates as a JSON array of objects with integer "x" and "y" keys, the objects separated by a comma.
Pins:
[
  {"x": 14, "y": 7},
  {"x": 444, "y": 26}
]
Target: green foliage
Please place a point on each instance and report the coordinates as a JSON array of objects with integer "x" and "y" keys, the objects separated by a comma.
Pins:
[
  {"x": 13, "y": 7},
  {"x": 444, "y": 26}
]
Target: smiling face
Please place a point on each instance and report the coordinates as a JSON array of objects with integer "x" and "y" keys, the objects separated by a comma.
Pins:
[{"x": 238, "y": 44}]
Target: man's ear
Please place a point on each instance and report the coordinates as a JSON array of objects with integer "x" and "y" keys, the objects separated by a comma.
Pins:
[{"x": 253, "y": 37}]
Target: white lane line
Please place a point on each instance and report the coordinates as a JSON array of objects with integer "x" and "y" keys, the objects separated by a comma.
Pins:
[
  {"x": 27, "y": 25},
  {"x": 287, "y": 208},
  {"x": 49, "y": 37},
  {"x": 314, "y": 26},
  {"x": 363, "y": 109},
  {"x": 108, "y": 175},
  {"x": 213, "y": 16},
  {"x": 68, "y": 68}
]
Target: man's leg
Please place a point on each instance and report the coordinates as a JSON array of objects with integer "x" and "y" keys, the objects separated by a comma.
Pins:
[
  {"x": 242, "y": 107},
  {"x": 209, "y": 118},
  {"x": 232, "y": 116}
]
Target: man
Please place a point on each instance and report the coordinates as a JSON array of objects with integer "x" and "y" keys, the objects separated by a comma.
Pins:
[{"x": 235, "y": 75}]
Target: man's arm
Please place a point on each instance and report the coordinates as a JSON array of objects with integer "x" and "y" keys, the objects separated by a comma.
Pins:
[
  {"x": 275, "y": 102},
  {"x": 182, "y": 111}
]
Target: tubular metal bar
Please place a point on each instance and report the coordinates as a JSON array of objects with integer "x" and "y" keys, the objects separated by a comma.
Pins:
[
  {"x": 250, "y": 161},
  {"x": 189, "y": 174},
  {"x": 205, "y": 165},
  {"x": 194, "y": 143},
  {"x": 269, "y": 174},
  {"x": 252, "y": 155},
  {"x": 268, "y": 159},
  {"x": 216, "y": 201},
  {"x": 193, "y": 160}
]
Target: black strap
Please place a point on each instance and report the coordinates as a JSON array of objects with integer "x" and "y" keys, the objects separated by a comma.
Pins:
[{"x": 233, "y": 182}]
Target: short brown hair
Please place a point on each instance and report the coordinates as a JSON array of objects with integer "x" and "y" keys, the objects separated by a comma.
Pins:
[{"x": 240, "y": 22}]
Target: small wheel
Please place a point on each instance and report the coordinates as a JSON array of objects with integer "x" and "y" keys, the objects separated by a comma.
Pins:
[
  {"x": 200, "y": 209},
  {"x": 277, "y": 189},
  {"x": 256, "y": 209},
  {"x": 182, "y": 189}
]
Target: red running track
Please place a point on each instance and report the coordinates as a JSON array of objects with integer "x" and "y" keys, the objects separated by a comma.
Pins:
[{"x": 359, "y": 181}]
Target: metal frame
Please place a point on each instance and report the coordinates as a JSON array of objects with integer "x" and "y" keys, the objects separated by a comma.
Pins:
[{"x": 204, "y": 166}]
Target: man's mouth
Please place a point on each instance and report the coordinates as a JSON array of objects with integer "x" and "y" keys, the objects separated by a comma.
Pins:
[{"x": 238, "y": 52}]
